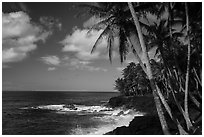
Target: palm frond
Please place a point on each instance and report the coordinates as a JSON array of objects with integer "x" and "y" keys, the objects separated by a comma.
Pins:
[
  {"x": 110, "y": 45},
  {"x": 106, "y": 31},
  {"x": 162, "y": 24},
  {"x": 93, "y": 10},
  {"x": 129, "y": 27},
  {"x": 162, "y": 10},
  {"x": 98, "y": 25},
  {"x": 143, "y": 6},
  {"x": 122, "y": 45}
]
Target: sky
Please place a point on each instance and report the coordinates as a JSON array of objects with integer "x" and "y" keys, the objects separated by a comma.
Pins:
[{"x": 45, "y": 46}]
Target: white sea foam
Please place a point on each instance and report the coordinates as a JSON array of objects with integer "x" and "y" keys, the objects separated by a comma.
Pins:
[
  {"x": 112, "y": 122},
  {"x": 72, "y": 108},
  {"x": 111, "y": 119},
  {"x": 117, "y": 119}
]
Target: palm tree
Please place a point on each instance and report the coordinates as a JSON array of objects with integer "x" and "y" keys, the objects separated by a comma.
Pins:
[
  {"x": 160, "y": 38},
  {"x": 159, "y": 33},
  {"x": 149, "y": 72},
  {"x": 115, "y": 22},
  {"x": 189, "y": 125}
]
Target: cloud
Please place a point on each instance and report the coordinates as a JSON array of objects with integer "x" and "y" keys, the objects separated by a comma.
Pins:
[
  {"x": 73, "y": 63},
  {"x": 77, "y": 62},
  {"x": 80, "y": 43},
  {"x": 19, "y": 36},
  {"x": 51, "y": 60},
  {"x": 83, "y": 65},
  {"x": 51, "y": 68}
]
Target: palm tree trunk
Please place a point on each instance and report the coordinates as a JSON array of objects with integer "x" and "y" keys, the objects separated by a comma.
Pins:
[
  {"x": 137, "y": 56},
  {"x": 149, "y": 72},
  {"x": 159, "y": 109},
  {"x": 188, "y": 68}
]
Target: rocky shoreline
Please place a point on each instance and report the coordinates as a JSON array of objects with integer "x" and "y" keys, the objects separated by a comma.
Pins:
[
  {"x": 148, "y": 124},
  {"x": 143, "y": 104},
  {"x": 140, "y": 125}
]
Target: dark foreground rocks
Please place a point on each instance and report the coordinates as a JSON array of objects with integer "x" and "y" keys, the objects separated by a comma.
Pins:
[
  {"x": 143, "y": 125},
  {"x": 150, "y": 124},
  {"x": 140, "y": 103},
  {"x": 140, "y": 125}
]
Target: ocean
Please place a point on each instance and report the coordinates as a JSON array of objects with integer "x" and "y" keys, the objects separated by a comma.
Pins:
[{"x": 61, "y": 113}]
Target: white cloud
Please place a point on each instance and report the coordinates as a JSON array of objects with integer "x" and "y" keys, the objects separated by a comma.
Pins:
[
  {"x": 83, "y": 65},
  {"x": 19, "y": 36},
  {"x": 73, "y": 63},
  {"x": 51, "y": 60},
  {"x": 76, "y": 62},
  {"x": 16, "y": 54},
  {"x": 91, "y": 68},
  {"x": 81, "y": 43},
  {"x": 51, "y": 68}
]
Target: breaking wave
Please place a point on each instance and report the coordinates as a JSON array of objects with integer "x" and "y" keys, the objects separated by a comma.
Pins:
[
  {"x": 111, "y": 118},
  {"x": 71, "y": 108}
]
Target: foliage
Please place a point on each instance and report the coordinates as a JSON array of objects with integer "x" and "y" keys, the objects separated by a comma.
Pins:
[
  {"x": 177, "y": 34},
  {"x": 133, "y": 82},
  {"x": 173, "y": 51}
]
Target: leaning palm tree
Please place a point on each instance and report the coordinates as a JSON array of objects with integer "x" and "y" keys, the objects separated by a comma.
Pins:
[
  {"x": 115, "y": 22},
  {"x": 149, "y": 72},
  {"x": 189, "y": 125},
  {"x": 162, "y": 36}
]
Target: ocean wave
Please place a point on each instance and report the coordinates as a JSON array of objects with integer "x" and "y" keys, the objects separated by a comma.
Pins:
[
  {"x": 111, "y": 118},
  {"x": 110, "y": 122},
  {"x": 71, "y": 108},
  {"x": 83, "y": 108}
]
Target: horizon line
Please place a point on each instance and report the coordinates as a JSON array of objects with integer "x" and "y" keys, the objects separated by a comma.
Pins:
[{"x": 69, "y": 90}]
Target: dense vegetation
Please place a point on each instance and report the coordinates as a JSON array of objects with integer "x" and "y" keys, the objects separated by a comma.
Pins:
[
  {"x": 134, "y": 81},
  {"x": 176, "y": 30}
]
